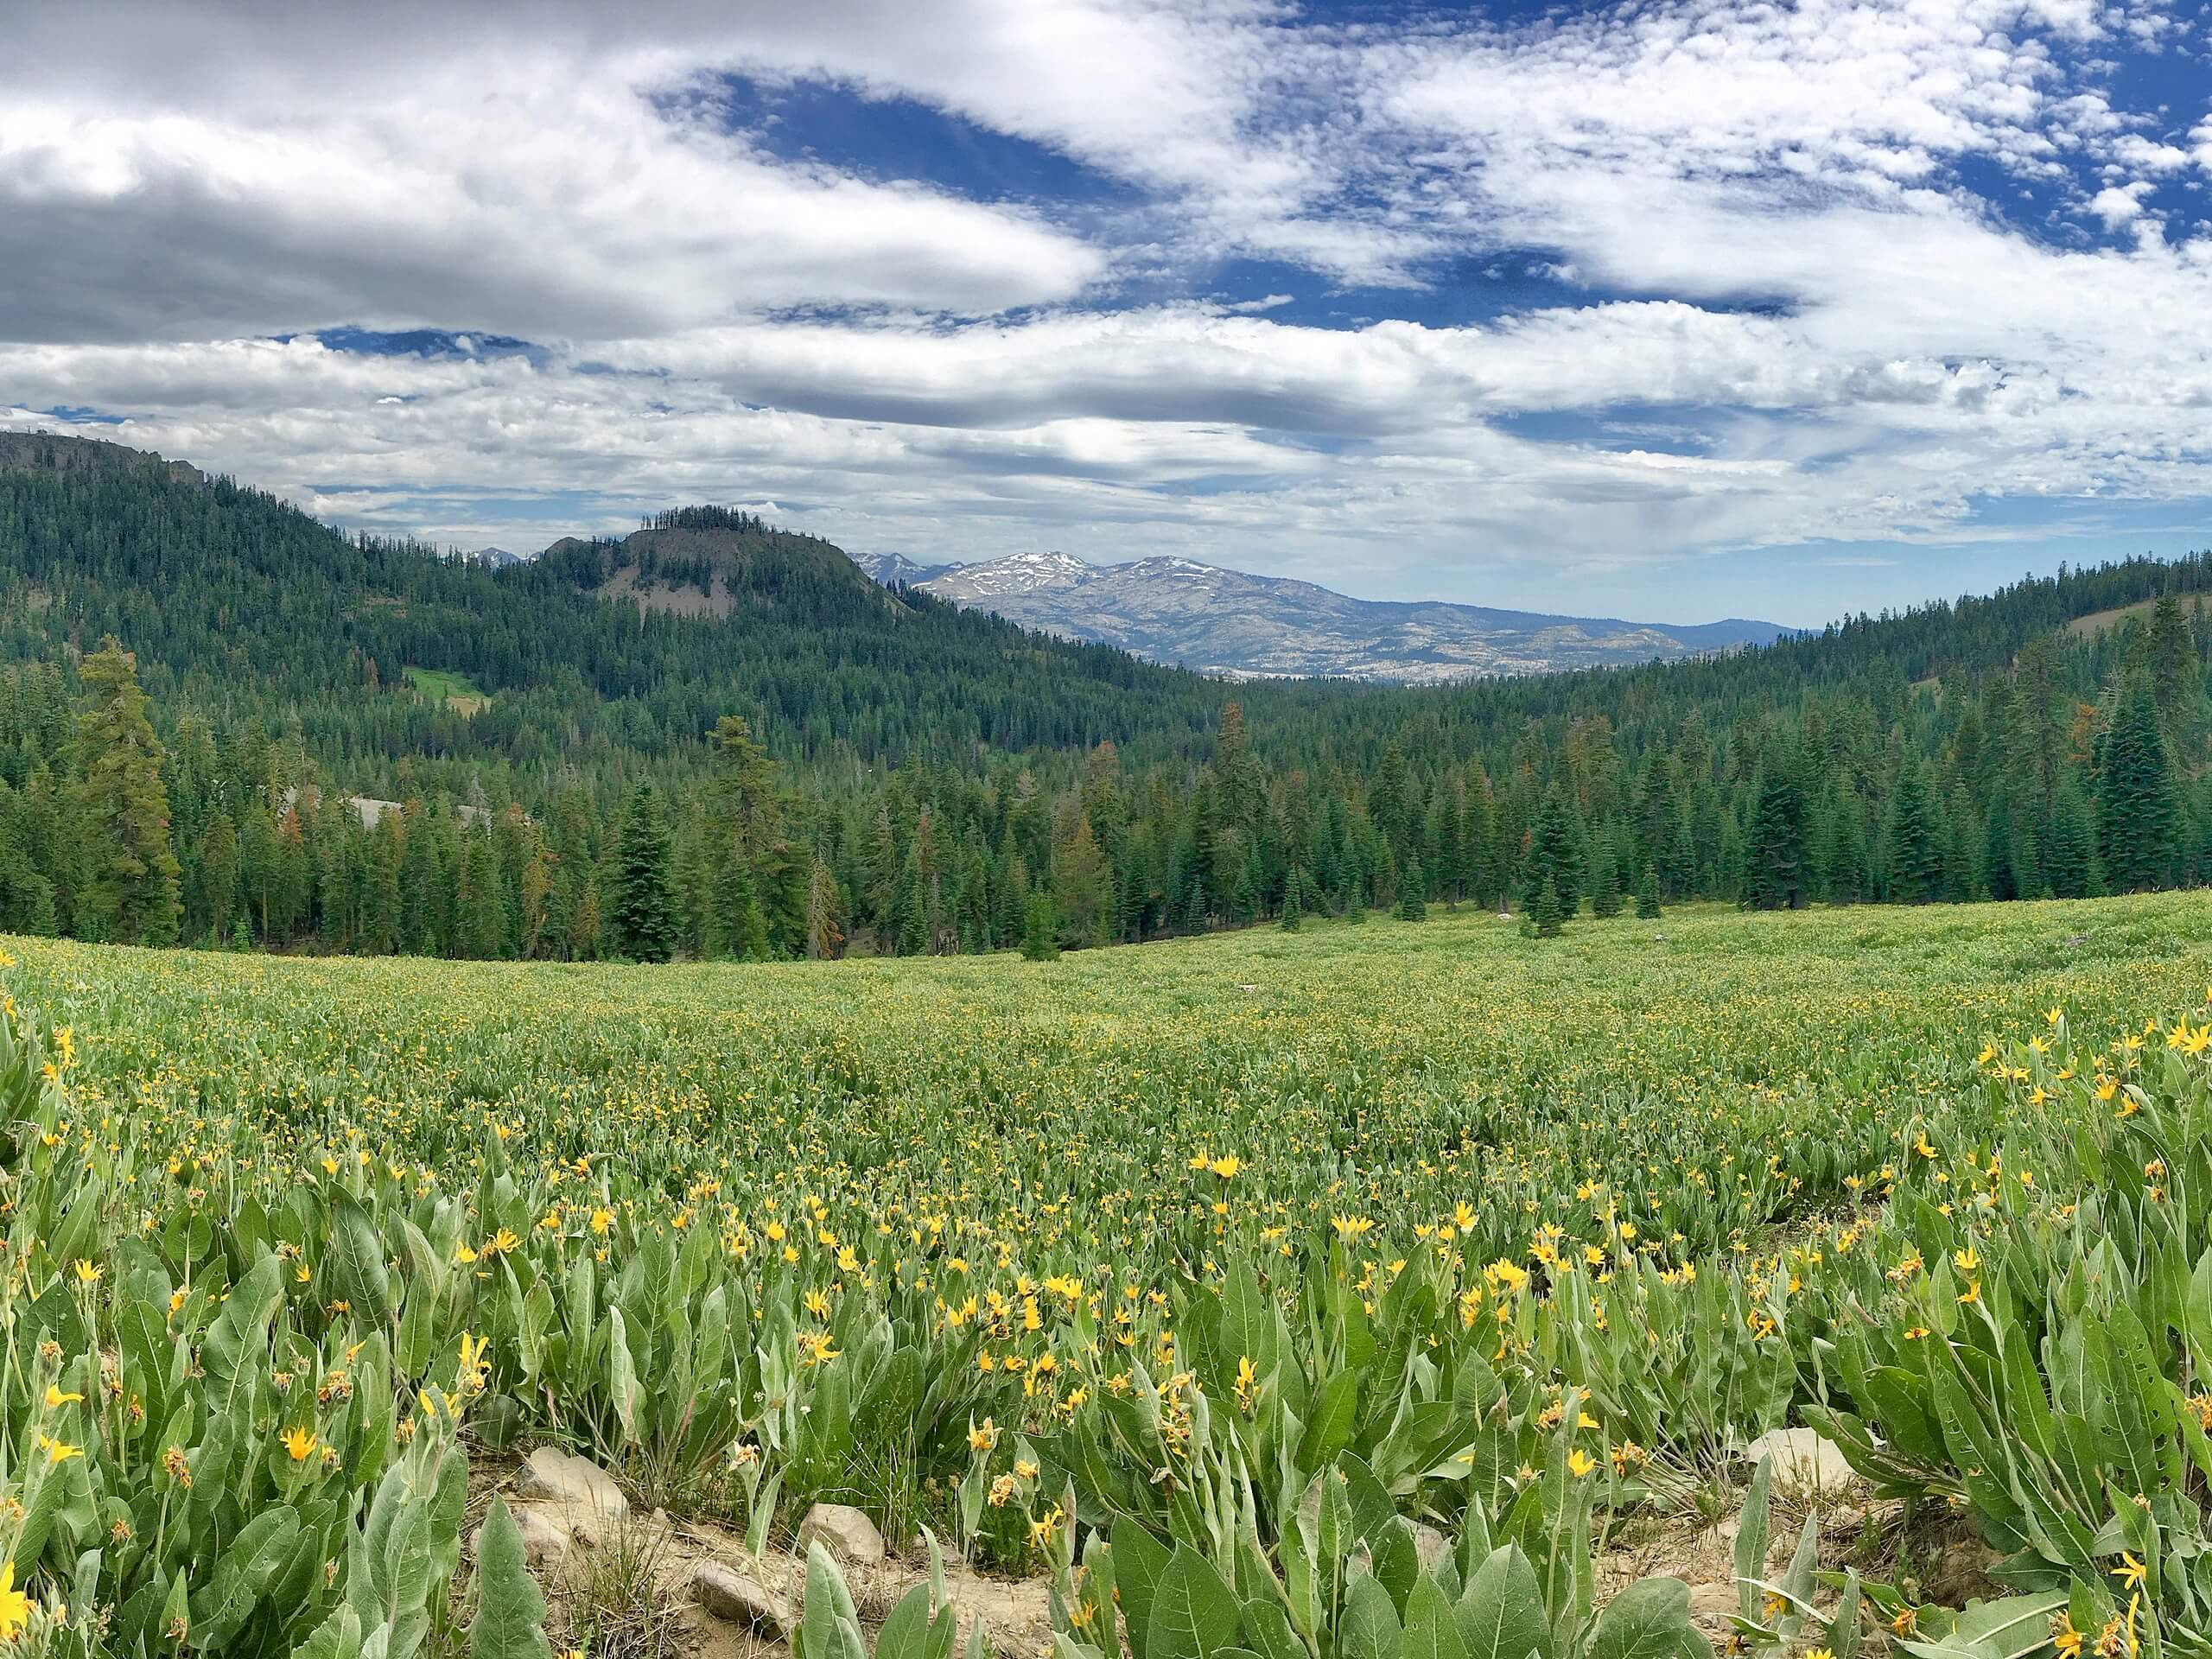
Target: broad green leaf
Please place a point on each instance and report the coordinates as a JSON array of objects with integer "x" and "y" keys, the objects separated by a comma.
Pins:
[
  {"x": 1651, "y": 1619},
  {"x": 1432, "y": 1625},
  {"x": 1501, "y": 1614},
  {"x": 510, "y": 1622},
  {"x": 1371, "y": 1628},
  {"x": 1140, "y": 1562},
  {"x": 1194, "y": 1615}
]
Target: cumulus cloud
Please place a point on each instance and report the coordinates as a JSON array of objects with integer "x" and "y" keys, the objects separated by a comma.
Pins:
[
  {"x": 1829, "y": 270},
  {"x": 544, "y": 188}
]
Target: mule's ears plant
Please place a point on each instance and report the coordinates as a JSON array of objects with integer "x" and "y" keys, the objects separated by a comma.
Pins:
[{"x": 510, "y": 1622}]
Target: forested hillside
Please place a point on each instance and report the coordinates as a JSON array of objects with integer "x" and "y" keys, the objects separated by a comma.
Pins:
[{"x": 713, "y": 736}]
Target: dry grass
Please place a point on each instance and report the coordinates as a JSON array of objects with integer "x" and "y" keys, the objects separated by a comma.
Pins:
[{"x": 616, "y": 1602}]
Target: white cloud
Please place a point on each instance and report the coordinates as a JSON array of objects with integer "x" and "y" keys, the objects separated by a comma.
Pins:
[
  {"x": 2118, "y": 205},
  {"x": 536, "y": 192},
  {"x": 1836, "y": 337}
]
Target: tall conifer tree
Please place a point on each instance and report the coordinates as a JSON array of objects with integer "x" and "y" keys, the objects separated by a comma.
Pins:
[
  {"x": 2136, "y": 807},
  {"x": 131, "y": 890},
  {"x": 642, "y": 917}
]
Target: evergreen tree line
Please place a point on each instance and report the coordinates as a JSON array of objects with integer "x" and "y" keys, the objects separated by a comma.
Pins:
[
  {"x": 2009, "y": 784},
  {"x": 906, "y": 777}
]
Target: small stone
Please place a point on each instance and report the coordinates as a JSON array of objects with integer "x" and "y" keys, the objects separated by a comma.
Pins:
[
  {"x": 735, "y": 1599},
  {"x": 846, "y": 1532},
  {"x": 1806, "y": 1459},
  {"x": 1715, "y": 1603},
  {"x": 595, "y": 1501}
]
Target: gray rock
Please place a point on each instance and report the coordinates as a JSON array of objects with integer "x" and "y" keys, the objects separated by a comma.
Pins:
[
  {"x": 735, "y": 1599},
  {"x": 1805, "y": 1459},
  {"x": 845, "y": 1532},
  {"x": 596, "y": 1503}
]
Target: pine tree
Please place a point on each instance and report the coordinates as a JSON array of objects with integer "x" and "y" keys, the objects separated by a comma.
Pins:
[
  {"x": 1294, "y": 908},
  {"x": 1040, "y": 929},
  {"x": 1962, "y": 834},
  {"x": 753, "y": 942},
  {"x": 2071, "y": 856},
  {"x": 587, "y": 928},
  {"x": 1412, "y": 896},
  {"x": 1556, "y": 851},
  {"x": 974, "y": 905},
  {"x": 217, "y": 874},
  {"x": 730, "y": 900},
  {"x": 880, "y": 893},
  {"x": 642, "y": 919},
  {"x": 533, "y": 905},
  {"x": 1481, "y": 855},
  {"x": 421, "y": 873},
  {"x": 1082, "y": 885},
  {"x": 1606, "y": 879},
  {"x": 132, "y": 886},
  {"x": 1647, "y": 894},
  {"x": 1997, "y": 877},
  {"x": 2176, "y": 677},
  {"x": 26, "y": 896},
  {"x": 1851, "y": 876},
  {"x": 909, "y": 921},
  {"x": 1546, "y": 914},
  {"x": 380, "y": 907},
  {"x": 825, "y": 936},
  {"x": 743, "y": 790},
  {"x": 483, "y": 916},
  {"x": 1012, "y": 891},
  {"x": 2136, "y": 807},
  {"x": 1915, "y": 851},
  {"x": 1774, "y": 860}
]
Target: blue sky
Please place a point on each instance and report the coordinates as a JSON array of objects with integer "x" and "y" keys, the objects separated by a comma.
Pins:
[{"x": 1673, "y": 311}]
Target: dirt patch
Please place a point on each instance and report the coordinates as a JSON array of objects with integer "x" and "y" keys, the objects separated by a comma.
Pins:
[
  {"x": 2100, "y": 622},
  {"x": 1853, "y": 1531},
  {"x": 1016, "y": 1614},
  {"x": 668, "y": 598}
]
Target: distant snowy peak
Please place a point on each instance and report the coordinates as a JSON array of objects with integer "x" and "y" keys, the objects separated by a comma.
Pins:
[
  {"x": 897, "y": 570},
  {"x": 1164, "y": 567},
  {"x": 1016, "y": 574},
  {"x": 1177, "y": 610}
]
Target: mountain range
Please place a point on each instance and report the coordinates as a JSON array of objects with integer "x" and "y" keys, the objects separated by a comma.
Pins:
[
  {"x": 1230, "y": 623},
  {"x": 936, "y": 765}
]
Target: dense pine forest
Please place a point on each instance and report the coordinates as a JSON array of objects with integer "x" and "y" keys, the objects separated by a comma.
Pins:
[{"x": 716, "y": 738}]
